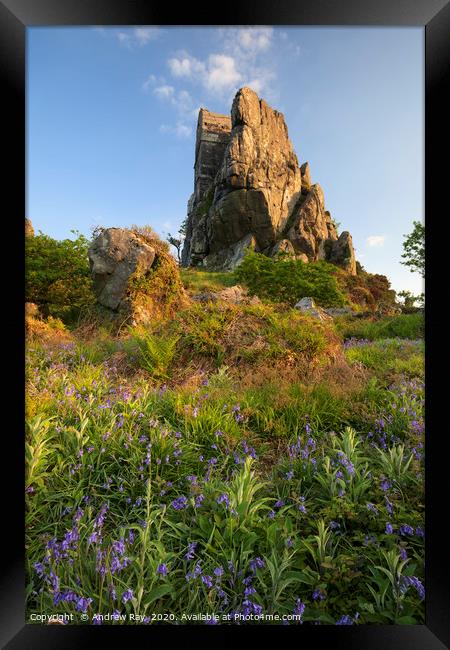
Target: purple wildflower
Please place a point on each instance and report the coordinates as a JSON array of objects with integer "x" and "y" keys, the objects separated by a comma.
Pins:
[
  {"x": 162, "y": 570},
  {"x": 180, "y": 503},
  {"x": 127, "y": 595},
  {"x": 191, "y": 551}
]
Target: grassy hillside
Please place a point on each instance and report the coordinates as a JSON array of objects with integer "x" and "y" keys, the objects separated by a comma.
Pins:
[{"x": 234, "y": 460}]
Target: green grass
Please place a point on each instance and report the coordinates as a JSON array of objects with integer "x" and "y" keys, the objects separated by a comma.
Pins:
[
  {"x": 279, "y": 485},
  {"x": 390, "y": 356},
  {"x": 198, "y": 281},
  {"x": 405, "y": 326}
]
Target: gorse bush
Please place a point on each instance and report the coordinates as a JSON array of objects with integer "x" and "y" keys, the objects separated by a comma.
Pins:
[
  {"x": 57, "y": 275},
  {"x": 288, "y": 280}
]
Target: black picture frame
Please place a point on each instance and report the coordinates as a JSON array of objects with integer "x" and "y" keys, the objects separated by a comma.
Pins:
[{"x": 434, "y": 16}]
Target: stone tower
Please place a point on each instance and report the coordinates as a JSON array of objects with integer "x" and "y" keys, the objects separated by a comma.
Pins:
[{"x": 213, "y": 135}]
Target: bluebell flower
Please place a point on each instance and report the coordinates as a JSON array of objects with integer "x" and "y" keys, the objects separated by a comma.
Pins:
[
  {"x": 127, "y": 595},
  {"x": 162, "y": 569},
  {"x": 218, "y": 572},
  {"x": 180, "y": 503},
  {"x": 207, "y": 581},
  {"x": 198, "y": 500},
  {"x": 191, "y": 551},
  {"x": 256, "y": 563},
  {"x": 405, "y": 529},
  {"x": 224, "y": 498},
  {"x": 299, "y": 608}
]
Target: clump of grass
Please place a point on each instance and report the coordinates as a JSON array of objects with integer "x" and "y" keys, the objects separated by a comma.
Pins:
[
  {"x": 198, "y": 280},
  {"x": 405, "y": 326},
  {"x": 389, "y": 356}
]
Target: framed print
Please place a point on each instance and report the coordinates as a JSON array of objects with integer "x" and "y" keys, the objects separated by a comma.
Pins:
[{"x": 225, "y": 372}]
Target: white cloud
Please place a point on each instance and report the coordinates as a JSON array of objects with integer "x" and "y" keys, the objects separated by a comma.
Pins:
[
  {"x": 186, "y": 65},
  {"x": 241, "y": 59},
  {"x": 180, "y": 99},
  {"x": 221, "y": 74},
  {"x": 218, "y": 74},
  {"x": 164, "y": 92},
  {"x": 180, "y": 130},
  {"x": 255, "y": 39},
  {"x": 246, "y": 41},
  {"x": 144, "y": 35},
  {"x": 376, "y": 240},
  {"x": 138, "y": 37}
]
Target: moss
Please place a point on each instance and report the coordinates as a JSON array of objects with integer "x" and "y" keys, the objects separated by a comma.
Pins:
[{"x": 160, "y": 290}]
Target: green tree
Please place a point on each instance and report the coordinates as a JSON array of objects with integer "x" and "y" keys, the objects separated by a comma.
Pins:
[
  {"x": 57, "y": 274},
  {"x": 414, "y": 249},
  {"x": 177, "y": 240},
  {"x": 409, "y": 299}
]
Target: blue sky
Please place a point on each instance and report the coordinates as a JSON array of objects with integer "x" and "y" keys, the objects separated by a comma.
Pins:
[{"x": 111, "y": 117}]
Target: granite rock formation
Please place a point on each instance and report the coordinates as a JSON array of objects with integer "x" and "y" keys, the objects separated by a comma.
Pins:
[
  {"x": 135, "y": 278},
  {"x": 250, "y": 191},
  {"x": 114, "y": 256},
  {"x": 29, "y": 230}
]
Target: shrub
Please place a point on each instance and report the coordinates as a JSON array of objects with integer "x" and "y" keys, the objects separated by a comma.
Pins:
[
  {"x": 57, "y": 275},
  {"x": 289, "y": 280}
]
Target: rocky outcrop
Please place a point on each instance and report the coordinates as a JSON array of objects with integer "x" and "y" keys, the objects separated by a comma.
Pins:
[
  {"x": 29, "y": 230},
  {"x": 251, "y": 191},
  {"x": 308, "y": 306},
  {"x": 114, "y": 256},
  {"x": 236, "y": 295},
  {"x": 341, "y": 252},
  {"x": 135, "y": 277}
]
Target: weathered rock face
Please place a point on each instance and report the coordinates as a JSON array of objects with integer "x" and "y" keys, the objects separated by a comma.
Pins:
[
  {"x": 259, "y": 177},
  {"x": 312, "y": 226},
  {"x": 236, "y": 295},
  {"x": 342, "y": 252},
  {"x": 308, "y": 306},
  {"x": 249, "y": 188},
  {"x": 29, "y": 230},
  {"x": 114, "y": 256}
]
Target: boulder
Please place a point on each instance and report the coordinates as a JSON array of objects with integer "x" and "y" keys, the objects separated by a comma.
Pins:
[
  {"x": 114, "y": 256},
  {"x": 29, "y": 230},
  {"x": 306, "y": 175},
  {"x": 308, "y": 306},
  {"x": 236, "y": 295},
  {"x": 338, "y": 311},
  {"x": 230, "y": 258}
]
